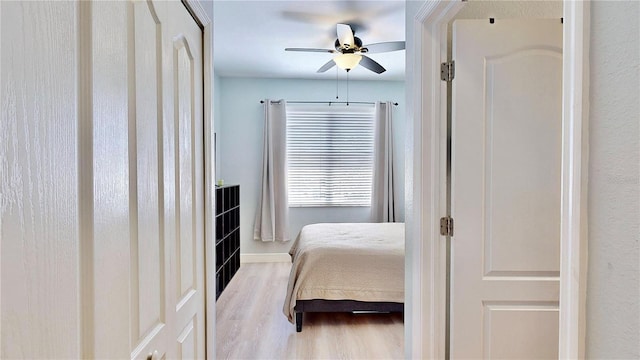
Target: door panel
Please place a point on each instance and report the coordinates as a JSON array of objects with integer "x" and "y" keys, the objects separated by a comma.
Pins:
[
  {"x": 166, "y": 181},
  {"x": 145, "y": 281},
  {"x": 148, "y": 280},
  {"x": 522, "y": 162},
  {"x": 183, "y": 49},
  {"x": 506, "y": 143},
  {"x": 508, "y": 328},
  {"x": 184, "y": 117},
  {"x": 187, "y": 346}
]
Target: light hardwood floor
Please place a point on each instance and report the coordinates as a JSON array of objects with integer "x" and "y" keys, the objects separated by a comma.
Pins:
[{"x": 250, "y": 324}]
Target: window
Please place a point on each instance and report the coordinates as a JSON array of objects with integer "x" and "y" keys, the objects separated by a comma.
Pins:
[{"x": 330, "y": 155}]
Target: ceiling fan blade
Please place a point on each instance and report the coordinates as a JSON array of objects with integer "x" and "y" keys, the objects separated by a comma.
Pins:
[
  {"x": 327, "y": 66},
  {"x": 345, "y": 35},
  {"x": 311, "y": 50},
  {"x": 372, "y": 65},
  {"x": 385, "y": 46}
]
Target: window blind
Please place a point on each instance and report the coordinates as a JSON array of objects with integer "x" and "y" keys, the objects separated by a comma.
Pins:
[{"x": 330, "y": 155}]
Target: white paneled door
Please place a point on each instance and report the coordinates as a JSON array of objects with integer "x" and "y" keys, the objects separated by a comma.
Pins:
[
  {"x": 506, "y": 147},
  {"x": 101, "y": 180},
  {"x": 166, "y": 173}
]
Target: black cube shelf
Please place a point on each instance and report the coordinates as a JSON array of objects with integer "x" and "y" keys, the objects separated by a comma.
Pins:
[{"x": 227, "y": 235}]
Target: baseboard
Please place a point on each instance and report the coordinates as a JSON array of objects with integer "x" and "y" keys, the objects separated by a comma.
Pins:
[{"x": 264, "y": 258}]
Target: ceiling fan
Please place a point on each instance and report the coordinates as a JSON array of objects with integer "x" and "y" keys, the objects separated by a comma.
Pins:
[{"x": 351, "y": 52}]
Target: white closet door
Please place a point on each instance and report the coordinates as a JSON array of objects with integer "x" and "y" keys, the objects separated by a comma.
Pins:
[
  {"x": 39, "y": 179},
  {"x": 506, "y": 189},
  {"x": 167, "y": 172},
  {"x": 184, "y": 179},
  {"x": 101, "y": 191},
  {"x": 150, "y": 276},
  {"x": 149, "y": 174}
]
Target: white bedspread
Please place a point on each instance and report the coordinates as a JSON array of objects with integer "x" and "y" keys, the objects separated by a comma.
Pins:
[{"x": 347, "y": 261}]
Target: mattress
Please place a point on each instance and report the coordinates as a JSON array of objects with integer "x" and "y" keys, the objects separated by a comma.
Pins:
[{"x": 347, "y": 261}]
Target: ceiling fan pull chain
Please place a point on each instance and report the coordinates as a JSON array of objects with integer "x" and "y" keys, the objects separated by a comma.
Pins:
[
  {"x": 347, "y": 87},
  {"x": 337, "y": 83}
]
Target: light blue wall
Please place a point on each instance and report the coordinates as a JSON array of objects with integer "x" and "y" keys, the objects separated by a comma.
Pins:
[
  {"x": 217, "y": 120},
  {"x": 239, "y": 135}
]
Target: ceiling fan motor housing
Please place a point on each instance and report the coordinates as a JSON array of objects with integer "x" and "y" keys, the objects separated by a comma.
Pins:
[{"x": 357, "y": 46}]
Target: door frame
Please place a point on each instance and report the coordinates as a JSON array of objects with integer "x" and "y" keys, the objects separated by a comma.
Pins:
[
  {"x": 197, "y": 10},
  {"x": 425, "y": 313}
]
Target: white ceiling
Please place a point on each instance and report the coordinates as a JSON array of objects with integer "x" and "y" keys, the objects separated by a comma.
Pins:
[{"x": 250, "y": 37}]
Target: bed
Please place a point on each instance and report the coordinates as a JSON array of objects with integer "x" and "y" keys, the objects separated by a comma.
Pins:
[{"x": 346, "y": 267}]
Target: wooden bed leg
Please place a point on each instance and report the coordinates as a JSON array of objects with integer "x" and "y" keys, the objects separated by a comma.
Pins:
[{"x": 298, "y": 321}]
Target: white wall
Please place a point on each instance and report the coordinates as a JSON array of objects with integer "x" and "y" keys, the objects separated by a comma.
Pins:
[
  {"x": 240, "y": 144},
  {"x": 613, "y": 291},
  {"x": 479, "y": 9}
]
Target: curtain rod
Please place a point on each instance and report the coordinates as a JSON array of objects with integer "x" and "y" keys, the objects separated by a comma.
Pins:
[{"x": 325, "y": 102}]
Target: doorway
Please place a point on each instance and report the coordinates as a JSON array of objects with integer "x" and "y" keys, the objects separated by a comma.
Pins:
[
  {"x": 240, "y": 131},
  {"x": 427, "y": 307}
]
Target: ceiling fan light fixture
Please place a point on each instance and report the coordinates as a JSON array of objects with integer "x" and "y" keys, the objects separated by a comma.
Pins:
[{"x": 347, "y": 61}]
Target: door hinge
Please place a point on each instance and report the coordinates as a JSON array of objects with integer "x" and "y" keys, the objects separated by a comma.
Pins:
[
  {"x": 447, "y": 70},
  {"x": 446, "y": 226}
]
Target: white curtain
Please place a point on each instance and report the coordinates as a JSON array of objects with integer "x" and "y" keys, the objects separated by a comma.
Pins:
[
  {"x": 272, "y": 215},
  {"x": 383, "y": 195}
]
